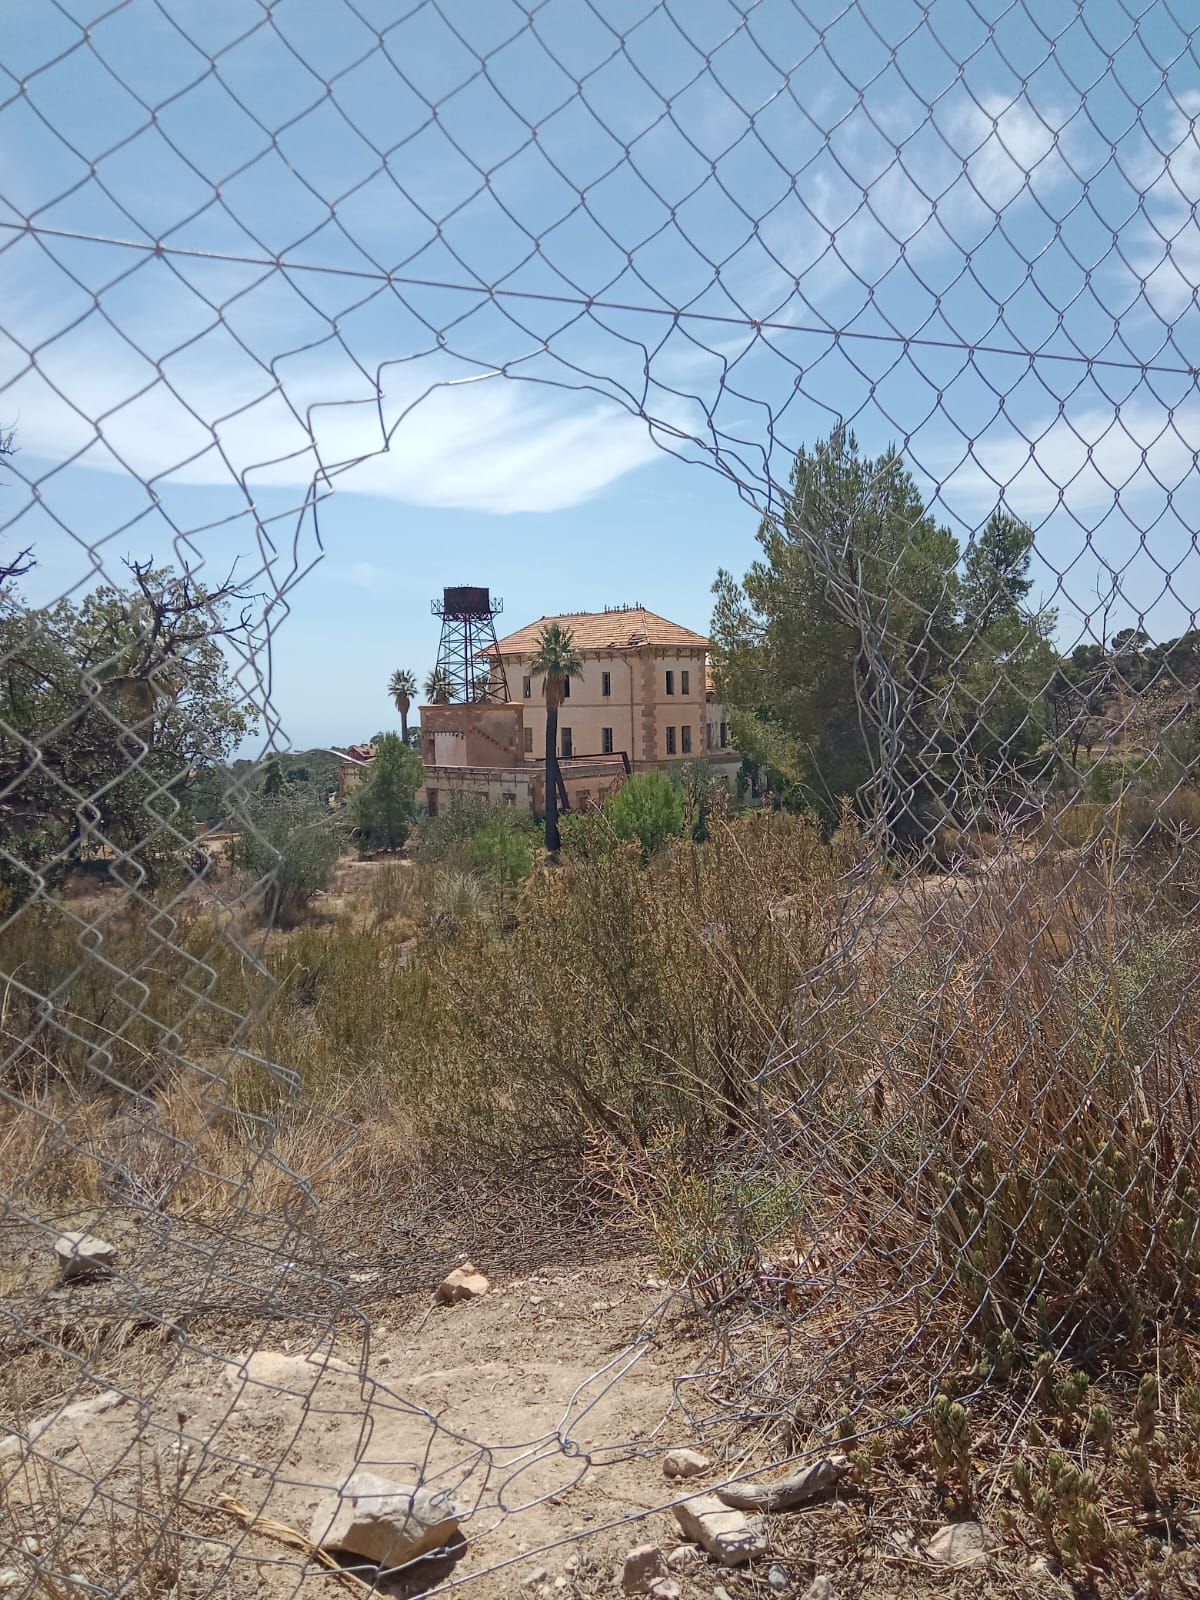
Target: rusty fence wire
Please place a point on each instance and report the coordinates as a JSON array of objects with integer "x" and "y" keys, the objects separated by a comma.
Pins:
[{"x": 918, "y": 283}]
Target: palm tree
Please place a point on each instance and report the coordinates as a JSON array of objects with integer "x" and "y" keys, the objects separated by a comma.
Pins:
[
  {"x": 402, "y": 686},
  {"x": 438, "y": 687},
  {"x": 556, "y": 660}
]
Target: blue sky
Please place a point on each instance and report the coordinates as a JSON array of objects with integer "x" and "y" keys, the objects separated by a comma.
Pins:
[{"x": 546, "y": 294}]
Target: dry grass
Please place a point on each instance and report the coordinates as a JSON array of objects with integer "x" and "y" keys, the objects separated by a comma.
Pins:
[{"x": 958, "y": 1155}]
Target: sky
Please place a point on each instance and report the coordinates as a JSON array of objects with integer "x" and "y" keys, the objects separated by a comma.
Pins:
[{"x": 361, "y": 298}]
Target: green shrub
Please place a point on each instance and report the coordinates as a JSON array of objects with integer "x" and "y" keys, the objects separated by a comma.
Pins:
[
  {"x": 450, "y": 836},
  {"x": 289, "y": 844},
  {"x": 503, "y": 853},
  {"x": 384, "y": 803},
  {"x": 649, "y": 808}
]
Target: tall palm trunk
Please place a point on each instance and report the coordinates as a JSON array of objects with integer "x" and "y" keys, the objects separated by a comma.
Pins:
[
  {"x": 404, "y": 720},
  {"x": 553, "y": 841}
]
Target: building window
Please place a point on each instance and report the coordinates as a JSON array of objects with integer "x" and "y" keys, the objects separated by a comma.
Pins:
[
  {"x": 685, "y": 683},
  {"x": 431, "y": 802},
  {"x": 670, "y": 741},
  {"x": 606, "y": 741},
  {"x": 528, "y": 741},
  {"x": 710, "y": 736},
  {"x": 670, "y": 683},
  {"x": 724, "y": 734},
  {"x": 510, "y": 797},
  {"x": 686, "y": 735},
  {"x": 567, "y": 748},
  {"x": 527, "y": 688},
  {"x": 606, "y": 683}
]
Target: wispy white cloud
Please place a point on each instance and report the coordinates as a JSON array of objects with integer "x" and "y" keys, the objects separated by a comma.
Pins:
[
  {"x": 425, "y": 438},
  {"x": 1082, "y": 461},
  {"x": 1167, "y": 252}
]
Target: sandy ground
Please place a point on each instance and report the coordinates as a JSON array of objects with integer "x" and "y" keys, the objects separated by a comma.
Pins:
[{"x": 546, "y": 1408}]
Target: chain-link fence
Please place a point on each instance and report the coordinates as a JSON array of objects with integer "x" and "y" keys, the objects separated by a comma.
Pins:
[{"x": 849, "y": 1143}]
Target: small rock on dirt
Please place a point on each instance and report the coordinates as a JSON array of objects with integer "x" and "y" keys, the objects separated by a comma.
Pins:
[
  {"x": 536, "y": 1578},
  {"x": 821, "y": 1588},
  {"x": 10, "y": 1578},
  {"x": 685, "y": 1558},
  {"x": 665, "y": 1589},
  {"x": 385, "y": 1522},
  {"x": 777, "y": 1579},
  {"x": 684, "y": 1463},
  {"x": 959, "y": 1544},
  {"x": 464, "y": 1283},
  {"x": 724, "y": 1533},
  {"x": 82, "y": 1255},
  {"x": 642, "y": 1566},
  {"x": 259, "y": 1374}
]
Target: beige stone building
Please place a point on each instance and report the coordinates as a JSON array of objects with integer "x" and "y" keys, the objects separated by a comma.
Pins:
[{"x": 645, "y": 700}]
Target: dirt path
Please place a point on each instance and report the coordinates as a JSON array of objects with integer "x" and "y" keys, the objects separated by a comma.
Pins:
[{"x": 545, "y": 1406}]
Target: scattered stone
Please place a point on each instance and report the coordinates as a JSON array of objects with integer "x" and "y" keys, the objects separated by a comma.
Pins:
[
  {"x": 665, "y": 1589},
  {"x": 31, "y": 1544},
  {"x": 721, "y": 1593},
  {"x": 560, "y": 1583},
  {"x": 959, "y": 1544},
  {"x": 685, "y": 1558},
  {"x": 724, "y": 1533},
  {"x": 815, "y": 1480},
  {"x": 777, "y": 1579},
  {"x": 821, "y": 1588},
  {"x": 464, "y": 1283},
  {"x": 642, "y": 1566},
  {"x": 10, "y": 1578},
  {"x": 256, "y": 1375},
  {"x": 388, "y": 1523},
  {"x": 655, "y": 1284},
  {"x": 77, "y": 1412},
  {"x": 684, "y": 1463},
  {"x": 82, "y": 1255},
  {"x": 536, "y": 1578}
]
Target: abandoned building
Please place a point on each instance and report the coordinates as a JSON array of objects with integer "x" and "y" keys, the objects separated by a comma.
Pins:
[{"x": 645, "y": 700}]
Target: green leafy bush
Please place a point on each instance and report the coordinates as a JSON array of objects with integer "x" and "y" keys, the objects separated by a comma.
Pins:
[
  {"x": 289, "y": 845},
  {"x": 384, "y": 804},
  {"x": 649, "y": 809},
  {"x": 450, "y": 836},
  {"x": 502, "y": 852}
]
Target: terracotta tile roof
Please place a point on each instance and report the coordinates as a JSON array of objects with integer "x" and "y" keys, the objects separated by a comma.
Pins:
[{"x": 607, "y": 630}]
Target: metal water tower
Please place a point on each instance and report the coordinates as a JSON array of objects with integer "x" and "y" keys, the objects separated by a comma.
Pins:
[{"x": 468, "y": 616}]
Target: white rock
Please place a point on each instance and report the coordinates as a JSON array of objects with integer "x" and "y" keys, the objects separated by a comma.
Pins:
[
  {"x": 777, "y": 1579},
  {"x": 821, "y": 1588},
  {"x": 642, "y": 1566},
  {"x": 726, "y": 1534},
  {"x": 10, "y": 1578},
  {"x": 261, "y": 1375},
  {"x": 536, "y": 1578},
  {"x": 959, "y": 1544},
  {"x": 685, "y": 1558},
  {"x": 385, "y": 1522},
  {"x": 77, "y": 1412},
  {"x": 82, "y": 1255},
  {"x": 684, "y": 1463},
  {"x": 464, "y": 1283},
  {"x": 665, "y": 1589}
]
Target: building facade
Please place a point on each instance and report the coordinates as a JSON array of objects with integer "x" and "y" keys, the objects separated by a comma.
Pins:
[{"x": 645, "y": 701}]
